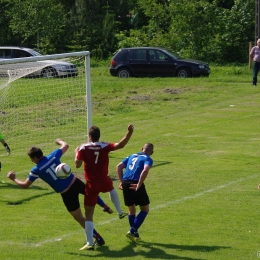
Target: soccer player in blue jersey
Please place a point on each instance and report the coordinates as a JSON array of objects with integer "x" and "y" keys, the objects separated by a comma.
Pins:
[
  {"x": 137, "y": 167},
  {"x": 69, "y": 188}
]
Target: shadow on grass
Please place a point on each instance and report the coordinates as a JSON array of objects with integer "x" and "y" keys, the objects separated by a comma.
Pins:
[
  {"x": 198, "y": 248},
  {"x": 156, "y": 164},
  {"x": 148, "y": 250},
  {"x": 4, "y": 185},
  {"x": 19, "y": 202}
]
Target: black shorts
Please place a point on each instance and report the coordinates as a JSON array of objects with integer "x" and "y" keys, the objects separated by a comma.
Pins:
[
  {"x": 71, "y": 196},
  {"x": 132, "y": 197}
]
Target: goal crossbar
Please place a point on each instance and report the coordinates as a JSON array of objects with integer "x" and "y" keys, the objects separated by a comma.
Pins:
[{"x": 45, "y": 57}]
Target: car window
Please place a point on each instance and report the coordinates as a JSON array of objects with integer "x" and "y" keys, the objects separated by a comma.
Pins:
[
  {"x": 152, "y": 55},
  {"x": 160, "y": 56},
  {"x": 173, "y": 55},
  {"x": 33, "y": 53},
  {"x": 5, "y": 54},
  {"x": 129, "y": 55},
  {"x": 21, "y": 54},
  {"x": 139, "y": 55}
]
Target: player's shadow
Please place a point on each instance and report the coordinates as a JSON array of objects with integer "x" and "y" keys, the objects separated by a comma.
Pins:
[
  {"x": 160, "y": 163},
  {"x": 148, "y": 250},
  {"x": 19, "y": 202},
  {"x": 155, "y": 164},
  {"x": 4, "y": 185},
  {"x": 197, "y": 248}
]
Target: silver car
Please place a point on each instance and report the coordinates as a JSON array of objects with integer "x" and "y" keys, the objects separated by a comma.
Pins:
[{"x": 48, "y": 69}]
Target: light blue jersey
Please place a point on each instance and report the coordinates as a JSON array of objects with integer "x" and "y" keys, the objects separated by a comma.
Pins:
[
  {"x": 45, "y": 170},
  {"x": 135, "y": 165}
]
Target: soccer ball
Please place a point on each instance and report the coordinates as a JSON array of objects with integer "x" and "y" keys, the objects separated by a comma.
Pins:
[{"x": 63, "y": 171}]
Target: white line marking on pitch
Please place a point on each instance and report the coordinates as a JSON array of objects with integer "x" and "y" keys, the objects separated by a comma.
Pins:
[
  {"x": 153, "y": 208},
  {"x": 204, "y": 192}
]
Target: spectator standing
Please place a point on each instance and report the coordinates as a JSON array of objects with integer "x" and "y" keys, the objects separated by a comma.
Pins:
[{"x": 255, "y": 55}]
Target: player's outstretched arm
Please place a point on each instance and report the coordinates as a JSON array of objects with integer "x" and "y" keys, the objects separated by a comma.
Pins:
[
  {"x": 23, "y": 184},
  {"x": 125, "y": 139},
  {"x": 63, "y": 145}
]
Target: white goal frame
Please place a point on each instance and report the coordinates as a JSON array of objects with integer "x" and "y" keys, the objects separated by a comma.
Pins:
[
  {"x": 18, "y": 72},
  {"x": 60, "y": 56}
]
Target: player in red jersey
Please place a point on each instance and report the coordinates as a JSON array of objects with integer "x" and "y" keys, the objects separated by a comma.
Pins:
[{"x": 94, "y": 154}]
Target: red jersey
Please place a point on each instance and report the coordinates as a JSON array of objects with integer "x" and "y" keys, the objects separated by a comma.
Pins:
[{"x": 96, "y": 160}]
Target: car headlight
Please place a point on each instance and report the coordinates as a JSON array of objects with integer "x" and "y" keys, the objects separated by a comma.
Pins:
[{"x": 201, "y": 66}]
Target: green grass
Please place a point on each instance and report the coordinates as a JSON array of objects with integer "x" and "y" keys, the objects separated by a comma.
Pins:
[{"x": 202, "y": 187}]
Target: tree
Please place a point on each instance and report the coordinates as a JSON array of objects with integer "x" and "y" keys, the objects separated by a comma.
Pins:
[
  {"x": 211, "y": 30},
  {"x": 38, "y": 22},
  {"x": 196, "y": 29},
  {"x": 94, "y": 24},
  {"x": 6, "y": 35}
]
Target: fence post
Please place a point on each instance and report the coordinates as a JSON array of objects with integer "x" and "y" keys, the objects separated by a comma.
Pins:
[{"x": 250, "y": 59}]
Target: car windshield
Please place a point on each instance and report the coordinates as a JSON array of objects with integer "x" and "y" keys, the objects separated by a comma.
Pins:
[
  {"x": 34, "y": 53},
  {"x": 173, "y": 55}
]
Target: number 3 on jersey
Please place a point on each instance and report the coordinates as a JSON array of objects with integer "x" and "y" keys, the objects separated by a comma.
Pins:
[{"x": 132, "y": 165}]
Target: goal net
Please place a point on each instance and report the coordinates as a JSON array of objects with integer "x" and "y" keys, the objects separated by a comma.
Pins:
[{"x": 44, "y": 98}]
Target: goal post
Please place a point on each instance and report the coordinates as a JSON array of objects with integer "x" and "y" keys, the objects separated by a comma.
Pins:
[{"x": 40, "y": 100}]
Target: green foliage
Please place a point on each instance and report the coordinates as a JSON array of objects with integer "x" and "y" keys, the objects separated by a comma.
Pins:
[
  {"x": 5, "y": 17},
  {"x": 196, "y": 29},
  {"x": 41, "y": 21},
  {"x": 213, "y": 30},
  {"x": 135, "y": 39},
  {"x": 236, "y": 27}
]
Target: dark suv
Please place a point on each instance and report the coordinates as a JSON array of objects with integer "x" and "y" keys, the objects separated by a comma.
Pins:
[{"x": 155, "y": 62}]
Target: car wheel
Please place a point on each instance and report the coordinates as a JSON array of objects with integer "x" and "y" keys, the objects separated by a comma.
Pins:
[
  {"x": 49, "y": 72},
  {"x": 183, "y": 73},
  {"x": 123, "y": 73}
]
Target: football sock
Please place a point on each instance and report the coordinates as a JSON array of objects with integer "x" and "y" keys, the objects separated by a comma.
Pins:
[
  {"x": 100, "y": 202},
  {"x": 95, "y": 233},
  {"x": 139, "y": 221},
  {"x": 89, "y": 228},
  {"x": 114, "y": 198},
  {"x": 131, "y": 219}
]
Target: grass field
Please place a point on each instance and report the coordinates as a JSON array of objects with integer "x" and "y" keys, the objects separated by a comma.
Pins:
[{"x": 202, "y": 187}]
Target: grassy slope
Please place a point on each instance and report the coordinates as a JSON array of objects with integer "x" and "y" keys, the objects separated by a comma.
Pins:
[{"x": 203, "y": 186}]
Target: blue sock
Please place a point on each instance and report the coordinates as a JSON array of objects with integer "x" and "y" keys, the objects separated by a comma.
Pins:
[
  {"x": 131, "y": 219},
  {"x": 138, "y": 221},
  {"x": 100, "y": 202},
  {"x": 95, "y": 233}
]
